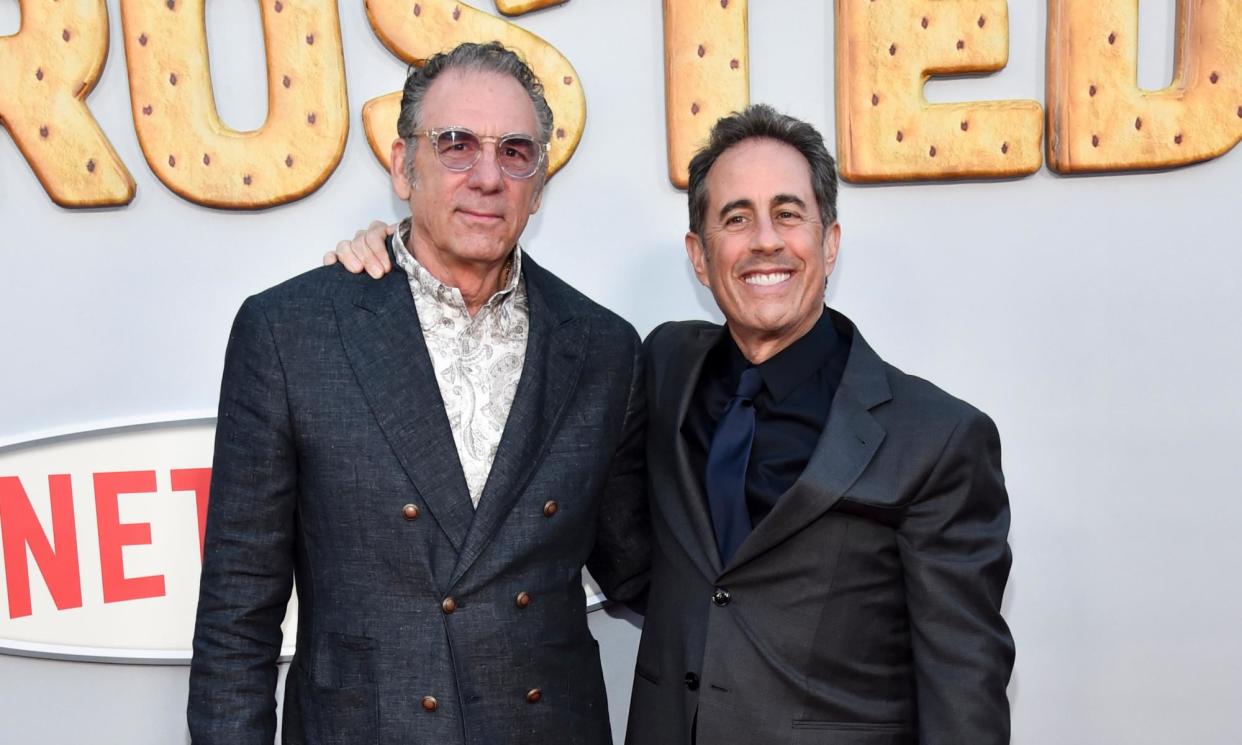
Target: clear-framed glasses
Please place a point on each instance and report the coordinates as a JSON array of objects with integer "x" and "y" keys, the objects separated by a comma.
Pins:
[{"x": 458, "y": 149}]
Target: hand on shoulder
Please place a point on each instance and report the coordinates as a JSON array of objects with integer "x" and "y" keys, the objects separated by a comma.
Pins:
[{"x": 368, "y": 250}]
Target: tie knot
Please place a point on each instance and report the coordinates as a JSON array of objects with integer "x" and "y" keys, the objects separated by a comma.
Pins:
[{"x": 750, "y": 384}]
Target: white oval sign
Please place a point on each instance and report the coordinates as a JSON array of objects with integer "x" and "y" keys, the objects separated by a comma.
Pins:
[
  {"x": 102, "y": 540},
  {"x": 102, "y": 543}
]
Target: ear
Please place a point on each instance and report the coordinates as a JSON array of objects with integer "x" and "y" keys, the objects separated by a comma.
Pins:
[
  {"x": 832, "y": 243},
  {"x": 396, "y": 170},
  {"x": 696, "y": 251}
]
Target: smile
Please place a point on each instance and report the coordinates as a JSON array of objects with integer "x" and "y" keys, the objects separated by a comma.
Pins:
[{"x": 770, "y": 278}]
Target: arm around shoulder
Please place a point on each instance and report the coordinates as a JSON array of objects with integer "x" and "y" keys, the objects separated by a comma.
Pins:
[{"x": 621, "y": 560}]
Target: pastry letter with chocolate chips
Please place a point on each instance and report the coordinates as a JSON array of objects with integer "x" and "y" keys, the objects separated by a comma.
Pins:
[
  {"x": 187, "y": 145},
  {"x": 887, "y": 131},
  {"x": 414, "y": 30},
  {"x": 46, "y": 71},
  {"x": 706, "y": 74},
  {"x": 1098, "y": 117}
]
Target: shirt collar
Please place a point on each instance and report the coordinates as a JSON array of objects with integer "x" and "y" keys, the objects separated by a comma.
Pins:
[
  {"x": 793, "y": 365},
  {"x": 424, "y": 282}
]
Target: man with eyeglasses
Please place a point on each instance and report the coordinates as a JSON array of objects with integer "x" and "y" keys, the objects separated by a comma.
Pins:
[{"x": 433, "y": 457}]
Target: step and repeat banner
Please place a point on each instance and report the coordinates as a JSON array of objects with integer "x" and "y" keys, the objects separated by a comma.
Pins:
[{"x": 1040, "y": 213}]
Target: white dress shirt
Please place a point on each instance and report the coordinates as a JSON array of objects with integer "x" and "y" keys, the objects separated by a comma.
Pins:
[{"x": 478, "y": 361}]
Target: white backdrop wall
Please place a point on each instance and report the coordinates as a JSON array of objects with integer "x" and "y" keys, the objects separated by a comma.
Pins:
[{"x": 1094, "y": 318}]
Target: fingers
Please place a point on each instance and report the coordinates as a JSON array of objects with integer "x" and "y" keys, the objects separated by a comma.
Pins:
[
  {"x": 344, "y": 253},
  {"x": 367, "y": 251},
  {"x": 371, "y": 247}
]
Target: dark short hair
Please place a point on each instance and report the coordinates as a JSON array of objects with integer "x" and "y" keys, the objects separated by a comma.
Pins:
[
  {"x": 762, "y": 121},
  {"x": 469, "y": 57}
]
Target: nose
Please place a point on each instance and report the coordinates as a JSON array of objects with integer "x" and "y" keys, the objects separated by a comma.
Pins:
[
  {"x": 485, "y": 175},
  {"x": 766, "y": 238}
]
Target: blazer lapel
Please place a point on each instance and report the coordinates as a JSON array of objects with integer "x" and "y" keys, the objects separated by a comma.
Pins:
[
  {"x": 385, "y": 346},
  {"x": 850, "y": 440},
  {"x": 555, "y": 350},
  {"x": 692, "y": 523}
]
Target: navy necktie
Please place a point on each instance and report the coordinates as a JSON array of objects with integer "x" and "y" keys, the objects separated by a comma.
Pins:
[{"x": 726, "y": 466}]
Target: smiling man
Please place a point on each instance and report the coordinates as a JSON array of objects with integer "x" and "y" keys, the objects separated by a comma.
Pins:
[
  {"x": 831, "y": 532},
  {"x": 431, "y": 457}
]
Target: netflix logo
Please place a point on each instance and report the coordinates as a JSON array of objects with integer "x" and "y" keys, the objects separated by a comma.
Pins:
[
  {"x": 102, "y": 538},
  {"x": 57, "y": 558}
]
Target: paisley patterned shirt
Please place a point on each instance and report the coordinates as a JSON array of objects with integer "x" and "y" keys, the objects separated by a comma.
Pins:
[{"x": 478, "y": 361}]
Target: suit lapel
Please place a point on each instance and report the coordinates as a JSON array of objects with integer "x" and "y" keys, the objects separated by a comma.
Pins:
[
  {"x": 384, "y": 343},
  {"x": 850, "y": 440},
  {"x": 692, "y": 522},
  {"x": 555, "y": 350}
]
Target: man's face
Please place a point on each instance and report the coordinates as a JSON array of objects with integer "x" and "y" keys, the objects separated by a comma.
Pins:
[
  {"x": 764, "y": 252},
  {"x": 474, "y": 217}
]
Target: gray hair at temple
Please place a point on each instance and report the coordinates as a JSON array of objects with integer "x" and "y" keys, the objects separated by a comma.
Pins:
[
  {"x": 469, "y": 57},
  {"x": 762, "y": 121}
]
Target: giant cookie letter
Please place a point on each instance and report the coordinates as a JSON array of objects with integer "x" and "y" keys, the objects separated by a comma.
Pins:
[
  {"x": 886, "y": 129},
  {"x": 180, "y": 131},
  {"x": 1098, "y": 117},
  {"x": 417, "y": 29},
  {"x": 518, "y": 7},
  {"x": 706, "y": 74},
  {"x": 46, "y": 71}
]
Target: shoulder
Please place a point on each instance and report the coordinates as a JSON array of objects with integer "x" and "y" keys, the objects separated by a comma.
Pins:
[
  {"x": 927, "y": 398},
  {"x": 921, "y": 407},
  {"x": 924, "y": 426},
  {"x": 563, "y": 298},
  {"x": 939, "y": 416},
  {"x": 670, "y": 335},
  {"x": 311, "y": 297},
  {"x": 320, "y": 284}
]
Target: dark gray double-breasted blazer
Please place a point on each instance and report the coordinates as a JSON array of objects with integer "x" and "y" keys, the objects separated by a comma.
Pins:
[
  {"x": 864, "y": 609},
  {"x": 335, "y": 466}
]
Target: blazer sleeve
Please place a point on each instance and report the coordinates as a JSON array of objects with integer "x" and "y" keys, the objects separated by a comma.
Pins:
[
  {"x": 247, "y": 557},
  {"x": 956, "y": 558},
  {"x": 621, "y": 559}
]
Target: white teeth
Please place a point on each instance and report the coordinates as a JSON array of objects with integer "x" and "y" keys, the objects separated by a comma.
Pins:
[{"x": 767, "y": 279}]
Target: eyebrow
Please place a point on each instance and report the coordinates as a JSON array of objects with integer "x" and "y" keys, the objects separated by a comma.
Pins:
[
  {"x": 736, "y": 203},
  {"x": 788, "y": 199},
  {"x": 776, "y": 201}
]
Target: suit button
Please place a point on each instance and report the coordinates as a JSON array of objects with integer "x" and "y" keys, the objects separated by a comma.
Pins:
[
  {"x": 430, "y": 703},
  {"x": 522, "y": 600},
  {"x": 410, "y": 511},
  {"x": 533, "y": 696},
  {"x": 448, "y": 605},
  {"x": 692, "y": 682},
  {"x": 549, "y": 508},
  {"x": 721, "y": 597}
]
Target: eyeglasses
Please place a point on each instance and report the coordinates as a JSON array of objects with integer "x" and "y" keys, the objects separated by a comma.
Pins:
[{"x": 518, "y": 155}]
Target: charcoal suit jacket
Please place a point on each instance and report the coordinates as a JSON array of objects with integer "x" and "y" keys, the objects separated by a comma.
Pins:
[
  {"x": 864, "y": 609},
  {"x": 420, "y": 620}
]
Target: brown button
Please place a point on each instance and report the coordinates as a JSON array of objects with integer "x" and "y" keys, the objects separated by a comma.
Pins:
[
  {"x": 410, "y": 511},
  {"x": 522, "y": 600},
  {"x": 448, "y": 605},
  {"x": 533, "y": 696},
  {"x": 430, "y": 703},
  {"x": 549, "y": 508}
]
